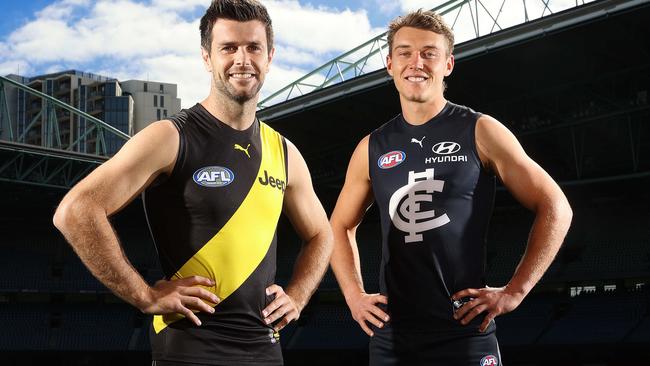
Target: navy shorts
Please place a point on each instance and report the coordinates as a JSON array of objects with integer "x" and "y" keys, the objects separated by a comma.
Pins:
[{"x": 389, "y": 347}]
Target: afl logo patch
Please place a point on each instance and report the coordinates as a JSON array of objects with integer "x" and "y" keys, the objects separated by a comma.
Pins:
[
  {"x": 489, "y": 360},
  {"x": 446, "y": 148},
  {"x": 213, "y": 176},
  {"x": 391, "y": 159}
]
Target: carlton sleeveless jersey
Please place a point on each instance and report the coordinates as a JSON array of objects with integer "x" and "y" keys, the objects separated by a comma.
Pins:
[
  {"x": 215, "y": 216},
  {"x": 435, "y": 200}
]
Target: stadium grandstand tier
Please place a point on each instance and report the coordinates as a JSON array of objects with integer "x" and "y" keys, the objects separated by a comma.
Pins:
[
  {"x": 95, "y": 327},
  {"x": 25, "y": 327},
  {"x": 576, "y": 96},
  {"x": 619, "y": 313},
  {"x": 330, "y": 327},
  {"x": 529, "y": 322}
]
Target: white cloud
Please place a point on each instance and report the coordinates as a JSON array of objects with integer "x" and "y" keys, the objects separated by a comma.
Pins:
[
  {"x": 75, "y": 2},
  {"x": 409, "y": 5},
  {"x": 180, "y": 5},
  {"x": 14, "y": 67},
  {"x": 54, "y": 68},
  {"x": 155, "y": 39},
  {"x": 45, "y": 40},
  {"x": 188, "y": 72},
  {"x": 120, "y": 29},
  {"x": 387, "y": 7},
  {"x": 61, "y": 9},
  {"x": 279, "y": 77},
  {"x": 319, "y": 29},
  {"x": 295, "y": 56},
  {"x": 4, "y": 48}
]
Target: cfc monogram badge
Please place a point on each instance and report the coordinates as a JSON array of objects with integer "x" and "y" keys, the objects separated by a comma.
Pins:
[{"x": 404, "y": 206}]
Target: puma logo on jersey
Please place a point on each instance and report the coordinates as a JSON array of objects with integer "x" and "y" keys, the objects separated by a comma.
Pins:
[
  {"x": 273, "y": 182},
  {"x": 419, "y": 142},
  {"x": 239, "y": 147}
]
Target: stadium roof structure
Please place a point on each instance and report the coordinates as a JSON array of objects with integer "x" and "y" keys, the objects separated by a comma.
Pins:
[{"x": 483, "y": 27}]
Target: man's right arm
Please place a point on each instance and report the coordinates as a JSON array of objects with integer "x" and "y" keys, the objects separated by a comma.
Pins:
[
  {"x": 354, "y": 200},
  {"x": 82, "y": 217}
]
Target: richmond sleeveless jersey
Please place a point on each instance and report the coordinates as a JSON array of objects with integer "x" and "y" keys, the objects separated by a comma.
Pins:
[
  {"x": 215, "y": 216},
  {"x": 435, "y": 199}
]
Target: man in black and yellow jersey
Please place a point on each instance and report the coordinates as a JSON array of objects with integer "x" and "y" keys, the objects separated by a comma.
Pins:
[{"x": 214, "y": 181}]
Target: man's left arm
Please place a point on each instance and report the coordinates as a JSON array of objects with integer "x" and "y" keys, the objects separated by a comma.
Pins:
[
  {"x": 500, "y": 151},
  {"x": 304, "y": 210}
]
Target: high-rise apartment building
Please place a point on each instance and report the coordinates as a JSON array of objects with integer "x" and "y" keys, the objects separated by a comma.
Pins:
[
  {"x": 153, "y": 101},
  {"x": 128, "y": 106}
]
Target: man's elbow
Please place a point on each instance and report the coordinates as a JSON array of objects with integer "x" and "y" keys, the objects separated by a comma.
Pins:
[
  {"x": 562, "y": 212},
  {"x": 329, "y": 239},
  {"x": 568, "y": 212},
  {"x": 555, "y": 209},
  {"x": 326, "y": 238},
  {"x": 61, "y": 216},
  {"x": 338, "y": 227},
  {"x": 565, "y": 208},
  {"x": 67, "y": 214}
]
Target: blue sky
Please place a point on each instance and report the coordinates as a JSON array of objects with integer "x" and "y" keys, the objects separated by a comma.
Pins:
[{"x": 158, "y": 40}]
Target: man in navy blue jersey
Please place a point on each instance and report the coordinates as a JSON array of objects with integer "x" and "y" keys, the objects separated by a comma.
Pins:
[{"x": 432, "y": 171}]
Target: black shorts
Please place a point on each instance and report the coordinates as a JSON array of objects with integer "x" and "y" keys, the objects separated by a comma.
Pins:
[
  {"x": 401, "y": 348},
  {"x": 175, "y": 363},
  {"x": 229, "y": 363}
]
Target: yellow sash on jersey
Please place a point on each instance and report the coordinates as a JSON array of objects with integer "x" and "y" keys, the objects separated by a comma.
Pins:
[{"x": 232, "y": 255}]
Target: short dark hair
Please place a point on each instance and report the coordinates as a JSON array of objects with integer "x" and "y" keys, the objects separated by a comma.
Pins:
[
  {"x": 425, "y": 20},
  {"x": 239, "y": 10}
]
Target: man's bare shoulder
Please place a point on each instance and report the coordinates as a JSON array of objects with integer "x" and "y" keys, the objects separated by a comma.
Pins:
[
  {"x": 359, "y": 159},
  {"x": 154, "y": 149},
  {"x": 163, "y": 129}
]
